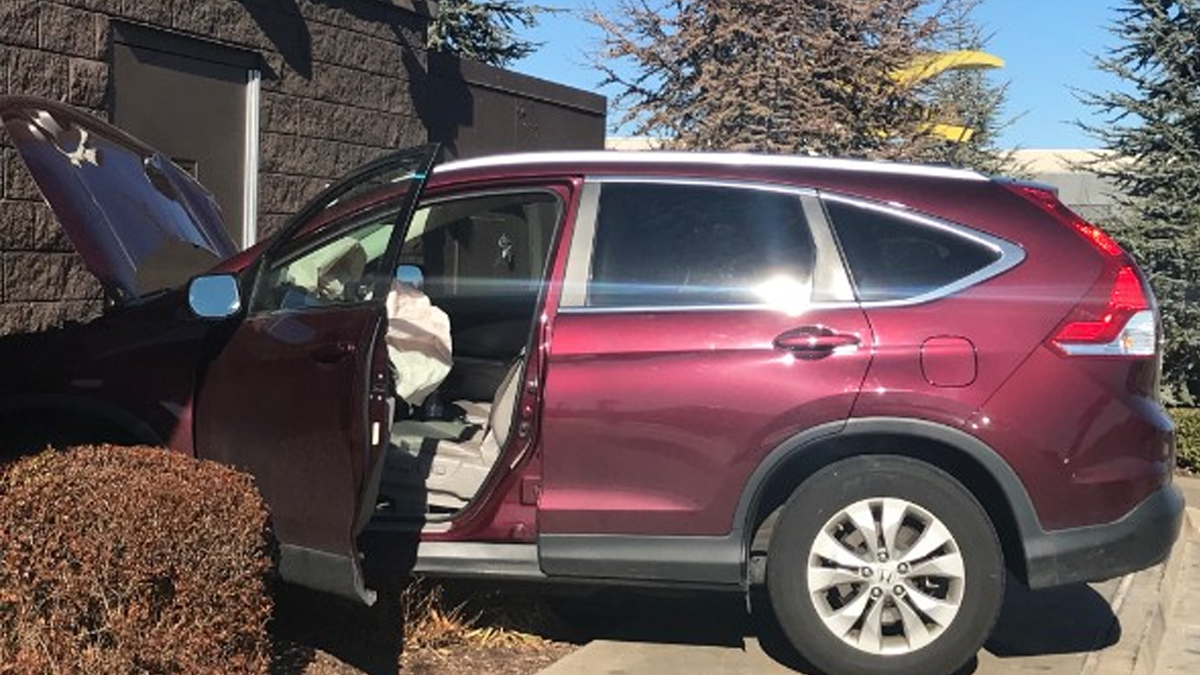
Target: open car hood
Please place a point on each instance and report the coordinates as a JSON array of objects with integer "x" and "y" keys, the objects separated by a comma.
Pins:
[{"x": 140, "y": 223}]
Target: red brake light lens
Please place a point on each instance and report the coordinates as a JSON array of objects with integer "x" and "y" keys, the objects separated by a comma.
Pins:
[
  {"x": 1047, "y": 201},
  {"x": 1125, "y": 299},
  {"x": 1097, "y": 236},
  {"x": 1116, "y": 318},
  {"x": 1121, "y": 325}
]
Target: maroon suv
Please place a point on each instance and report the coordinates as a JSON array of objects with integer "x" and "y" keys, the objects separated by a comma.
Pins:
[{"x": 871, "y": 386}]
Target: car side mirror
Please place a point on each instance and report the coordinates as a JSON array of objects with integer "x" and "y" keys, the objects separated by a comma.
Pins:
[
  {"x": 412, "y": 275},
  {"x": 214, "y": 296}
]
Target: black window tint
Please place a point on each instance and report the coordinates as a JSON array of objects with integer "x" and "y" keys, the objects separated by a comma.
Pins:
[
  {"x": 691, "y": 245},
  {"x": 893, "y": 258}
]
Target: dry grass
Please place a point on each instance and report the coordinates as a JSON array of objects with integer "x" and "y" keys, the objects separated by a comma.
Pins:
[
  {"x": 488, "y": 631},
  {"x": 418, "y": 627},
  {"x": 432, "y": 623}
]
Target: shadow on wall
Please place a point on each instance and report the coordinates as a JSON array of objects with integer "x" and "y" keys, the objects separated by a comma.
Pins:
[
  {"x": 441, "y": 109},
  {"x": 444, "y": 100},
  {"x": 282, "y": 23}
]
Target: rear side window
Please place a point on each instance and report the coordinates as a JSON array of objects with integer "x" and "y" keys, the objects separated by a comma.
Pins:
[
  {"x": 893, "y": 257},
  {"x": 683, "y": 245}
]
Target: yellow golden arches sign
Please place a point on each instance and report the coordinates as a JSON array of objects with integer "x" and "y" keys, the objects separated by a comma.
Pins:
[{"x": 931, "y": 65}]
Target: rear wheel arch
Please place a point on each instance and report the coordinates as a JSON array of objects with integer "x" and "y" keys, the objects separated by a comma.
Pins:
[{"x": 968, "y": 460}]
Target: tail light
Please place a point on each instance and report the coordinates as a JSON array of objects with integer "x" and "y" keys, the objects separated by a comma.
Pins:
[
  {"x": 1115, "y": 319},
  {"x": 1117, "y": 316}
]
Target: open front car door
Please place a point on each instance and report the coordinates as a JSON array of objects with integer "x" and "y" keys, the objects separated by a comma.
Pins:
[{"x": 297, "y": 389}]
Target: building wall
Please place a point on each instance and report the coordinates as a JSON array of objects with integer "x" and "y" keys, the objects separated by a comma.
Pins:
[
  {"x": 341, "y": 83},
  {"x": 477, "y": 109},
  {"x": 1091, "y": 196}
]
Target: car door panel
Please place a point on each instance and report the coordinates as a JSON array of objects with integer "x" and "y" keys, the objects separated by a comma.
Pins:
[
  {"x": 279, "y": 444},
  {"x": 311, "y": 455},
  {"x": 707, "y": 325},
  {"x": 297, "y": 392},
  {"x": 633, "y": 448}
]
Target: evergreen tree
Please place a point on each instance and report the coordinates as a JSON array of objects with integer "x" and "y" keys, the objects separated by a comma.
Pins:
[
  {"x": 483, "y": 30},
  {"x": 1152, "y": 126},
  {"x": 750, "y": 75}
]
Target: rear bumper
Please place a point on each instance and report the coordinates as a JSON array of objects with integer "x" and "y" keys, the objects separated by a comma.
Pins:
[{"x": 1139, "y": 539}]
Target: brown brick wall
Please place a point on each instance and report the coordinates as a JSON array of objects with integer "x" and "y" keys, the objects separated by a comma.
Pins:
[{"x": 336, "y": 91}]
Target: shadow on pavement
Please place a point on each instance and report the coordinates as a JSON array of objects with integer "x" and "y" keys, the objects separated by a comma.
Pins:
[
  {"x": 1065, "y": 620},
  {"x": 1068, "y": 620},
  {"x": 369, "y": 639},
  {"x": 1071, "y": 619}
]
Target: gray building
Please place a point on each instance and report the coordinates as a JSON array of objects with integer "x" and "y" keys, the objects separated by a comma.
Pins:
[
  {"x": 265, "y": 101},
  {"x": 1091, "y": 196}
]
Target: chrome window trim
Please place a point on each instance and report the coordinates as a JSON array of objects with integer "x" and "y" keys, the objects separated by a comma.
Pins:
[
  {"x": 830, "y": 276},
  {"x": 675, "y": 309},
  {"x": 1009, "y": 254},
  {"x": 579, "y": 258}
]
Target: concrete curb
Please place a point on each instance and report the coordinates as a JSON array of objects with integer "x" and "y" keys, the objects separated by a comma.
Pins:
[
  {"x": 1150, "y": 653},
  {"x": 1144, "y": 602}
]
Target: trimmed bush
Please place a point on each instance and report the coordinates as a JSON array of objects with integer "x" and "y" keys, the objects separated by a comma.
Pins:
[
  {"x": 1187, "y": 438},
  {"x": 131, "y": 560}
]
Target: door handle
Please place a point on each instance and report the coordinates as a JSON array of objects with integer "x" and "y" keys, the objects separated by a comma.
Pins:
[
  {"x": 814, "y": 341},
  {"x": 334, "y": 352}
]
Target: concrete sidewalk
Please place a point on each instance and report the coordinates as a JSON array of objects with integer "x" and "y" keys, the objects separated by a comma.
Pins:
[
  {"x": 1179, "y": 650},
  {"x": 1142, "y": 624}
]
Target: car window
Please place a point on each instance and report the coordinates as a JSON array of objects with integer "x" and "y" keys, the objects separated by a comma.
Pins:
[
  {"x": 688, "y": 245},
  {"x": 894, "y": 257},
  {"x": 482, "y": 246},
  {"x": 337, "y": 266}
]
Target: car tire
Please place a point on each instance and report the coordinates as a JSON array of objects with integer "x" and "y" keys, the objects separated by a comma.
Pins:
[{"x": 921, "y": 599}]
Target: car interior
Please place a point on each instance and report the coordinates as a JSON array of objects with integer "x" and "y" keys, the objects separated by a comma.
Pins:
[{"x": 481, "y": 261}]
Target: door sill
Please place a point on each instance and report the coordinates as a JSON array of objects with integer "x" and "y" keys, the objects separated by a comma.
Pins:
[
  {"x": 472, "y": 559},
  {"x": 407, "y": 525}
]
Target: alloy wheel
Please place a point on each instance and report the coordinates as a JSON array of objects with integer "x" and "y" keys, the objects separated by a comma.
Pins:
[{"x": 886, "y": 576}]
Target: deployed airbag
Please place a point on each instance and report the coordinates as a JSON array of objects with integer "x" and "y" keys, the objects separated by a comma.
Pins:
[{"x": 418, "y": 342}]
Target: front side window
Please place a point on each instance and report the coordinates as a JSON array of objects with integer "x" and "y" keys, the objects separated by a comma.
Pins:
[
  {"x": 695, "y": 245},
  {"x": 334, "y": 252},
  {"x": 894, "y": 257},
  {"x": 340, "y": 265}
]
